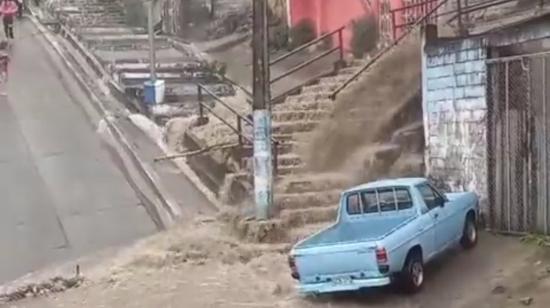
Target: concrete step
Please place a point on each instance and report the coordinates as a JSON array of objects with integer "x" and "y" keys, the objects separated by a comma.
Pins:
[
  {"x": 289, "y": 170},
  {"x": 294, "y": 126},
  {"x": 347, "y": 71},
  {"x": 324, "y": 104},
  {"x": 300, "y": 217},
  {"x": 313, "y": 182},
  {"x": 297, "y": 234},
  {"x": 307, "y": 199},
  {"x": 285, "y": 146},
  {"x": 316, "y": 88},
  {"x": 171, "y": 67},
  {"x": 300, "y": 115},
  {"x": 307, "y": 97},
  {"x": 120, "y": 38},
  {"x": 292, "y": 138},
  {"x": 333, "y": 80},
  {"x": 129, "y": 79},
  {"x": 101, "y": 31},
  {"x": 289, "y": 160}
]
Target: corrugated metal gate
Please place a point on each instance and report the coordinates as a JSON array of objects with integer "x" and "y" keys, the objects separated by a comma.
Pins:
[{"x": 518, "y": 149}]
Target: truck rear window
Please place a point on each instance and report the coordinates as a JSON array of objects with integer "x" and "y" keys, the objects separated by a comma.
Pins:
[{"x": 379, "y": 200}]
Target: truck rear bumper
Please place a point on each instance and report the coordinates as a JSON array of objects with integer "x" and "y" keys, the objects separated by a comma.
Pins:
[{"x": 356, "y": 284}]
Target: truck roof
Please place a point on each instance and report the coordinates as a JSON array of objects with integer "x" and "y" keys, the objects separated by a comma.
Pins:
[{"x": 388, "y": 182}]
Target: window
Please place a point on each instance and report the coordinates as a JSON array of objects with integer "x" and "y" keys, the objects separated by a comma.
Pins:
[
  {"x": 379, "y": 200},
  {"x": 430, "y": 196},
  {"x": 386, "y": 198},
  {"x": 353, "y": 205},
  {"x": 369, "y": 201},
  {"x": 403, "y": 198}
]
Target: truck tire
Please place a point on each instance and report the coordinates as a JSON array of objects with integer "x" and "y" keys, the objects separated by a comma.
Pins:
[
  {"x": 412, "y": 276},
  {"x": 469, "y": 233}
]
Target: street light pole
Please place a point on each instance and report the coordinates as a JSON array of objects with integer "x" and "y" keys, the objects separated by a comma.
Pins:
[
  {"x": 263, "y": 165},
  {"x": 151, "y": 30}
]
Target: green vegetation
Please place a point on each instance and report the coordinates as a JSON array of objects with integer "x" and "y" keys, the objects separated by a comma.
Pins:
[
  {"x": 537, "y": 239},
  {"x": 365, "y": 35},
  {"x": 302, "y": 33},
  {"x": 136, "y": 13}
]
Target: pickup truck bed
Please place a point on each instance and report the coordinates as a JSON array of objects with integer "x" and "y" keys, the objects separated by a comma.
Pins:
[{"x": 341, "y": 233}]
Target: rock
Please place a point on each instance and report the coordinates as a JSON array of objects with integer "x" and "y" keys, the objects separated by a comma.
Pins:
[
  {"x": 499, "y": 289},
  {"x": 526, "y": 301}
]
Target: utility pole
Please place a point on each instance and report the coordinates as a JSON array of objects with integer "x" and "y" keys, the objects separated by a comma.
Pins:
[
  {"x": 151, "y": 30},
  {"x": 263, "y": 165}
]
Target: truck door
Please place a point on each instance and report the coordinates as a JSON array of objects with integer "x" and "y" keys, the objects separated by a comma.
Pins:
[{"x": 437, "y": 214}]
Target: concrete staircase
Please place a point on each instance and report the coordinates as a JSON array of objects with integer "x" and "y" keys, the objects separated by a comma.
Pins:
[
  {"x": 306, "y": 197},
  {"x": 123, "y": 51}
]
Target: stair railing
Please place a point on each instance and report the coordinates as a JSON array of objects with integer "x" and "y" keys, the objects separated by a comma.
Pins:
[
  {"x": 430, "y": 13},
  {"x": 339, "y": 48},
  {"x": 241, "y": 121}
]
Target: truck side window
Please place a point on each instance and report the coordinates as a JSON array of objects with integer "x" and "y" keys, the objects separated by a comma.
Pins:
[
  {"x": 429, "y": 196},
  {"x": 353, "y": 205},
  {"x": 403, "y": 198},
  {"x": 369, "y": 201}
]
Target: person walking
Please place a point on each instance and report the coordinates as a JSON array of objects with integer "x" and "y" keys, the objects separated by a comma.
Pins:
[
  {"x": 8, "y": 10},
  {"x": 20, "y": 8}
]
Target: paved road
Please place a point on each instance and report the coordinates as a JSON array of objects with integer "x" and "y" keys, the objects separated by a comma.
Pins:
[{"x": 62, "y": 196}]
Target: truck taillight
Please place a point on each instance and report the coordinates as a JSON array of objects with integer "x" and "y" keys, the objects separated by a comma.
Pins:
[
  {"x": 381, "y": 256},
  {"x": 293, "y": 268}
]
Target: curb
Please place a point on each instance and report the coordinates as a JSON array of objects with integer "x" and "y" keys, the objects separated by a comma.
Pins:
[{"x": 142, "y": 168}]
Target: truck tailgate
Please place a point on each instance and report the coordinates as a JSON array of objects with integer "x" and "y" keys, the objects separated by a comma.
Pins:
[{"x": 338, "y": 262}]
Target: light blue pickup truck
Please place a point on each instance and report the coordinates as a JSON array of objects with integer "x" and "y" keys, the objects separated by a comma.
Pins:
[{"x": 385, "y": 232}]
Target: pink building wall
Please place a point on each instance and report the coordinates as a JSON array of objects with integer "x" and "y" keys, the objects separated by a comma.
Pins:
[{"x": 329, "y": 15}]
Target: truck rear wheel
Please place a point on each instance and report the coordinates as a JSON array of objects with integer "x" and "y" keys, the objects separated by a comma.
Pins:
[
  {"x": 412, "y": 276},
  {"x": 469, "y": 234}
]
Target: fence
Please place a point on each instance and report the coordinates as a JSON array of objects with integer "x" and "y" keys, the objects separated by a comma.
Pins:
[
  {"x": 518, "y": 143},
  {"x": 410, "y": 14}
]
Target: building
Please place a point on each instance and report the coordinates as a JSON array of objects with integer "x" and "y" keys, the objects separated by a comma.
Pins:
[
  {"x": 487, "y": 119},
  {"x": 329, "y": 15}
]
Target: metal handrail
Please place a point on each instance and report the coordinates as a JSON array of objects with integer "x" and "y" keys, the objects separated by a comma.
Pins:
[
  {"x": 238, "y": 130},
  {"x": 301, "y": 66},
  {"x": 296, "y": 68},
  {"x": 385, "y": 50},
  {"x": 395, "y": 26},
  {"x": 306, "y": 45},
  {"x": 240, "y": 120}
]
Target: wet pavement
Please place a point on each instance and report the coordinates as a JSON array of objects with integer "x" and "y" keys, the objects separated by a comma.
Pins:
[{"x": 62, "y": 194}]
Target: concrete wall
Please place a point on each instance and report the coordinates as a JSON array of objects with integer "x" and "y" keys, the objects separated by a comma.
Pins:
[
  {"x": 454, "y": 87},
  {"x": 454, "y": 103}
]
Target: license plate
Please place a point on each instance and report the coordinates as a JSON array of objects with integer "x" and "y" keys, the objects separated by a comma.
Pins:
[{"x": 344, "y": 280}]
